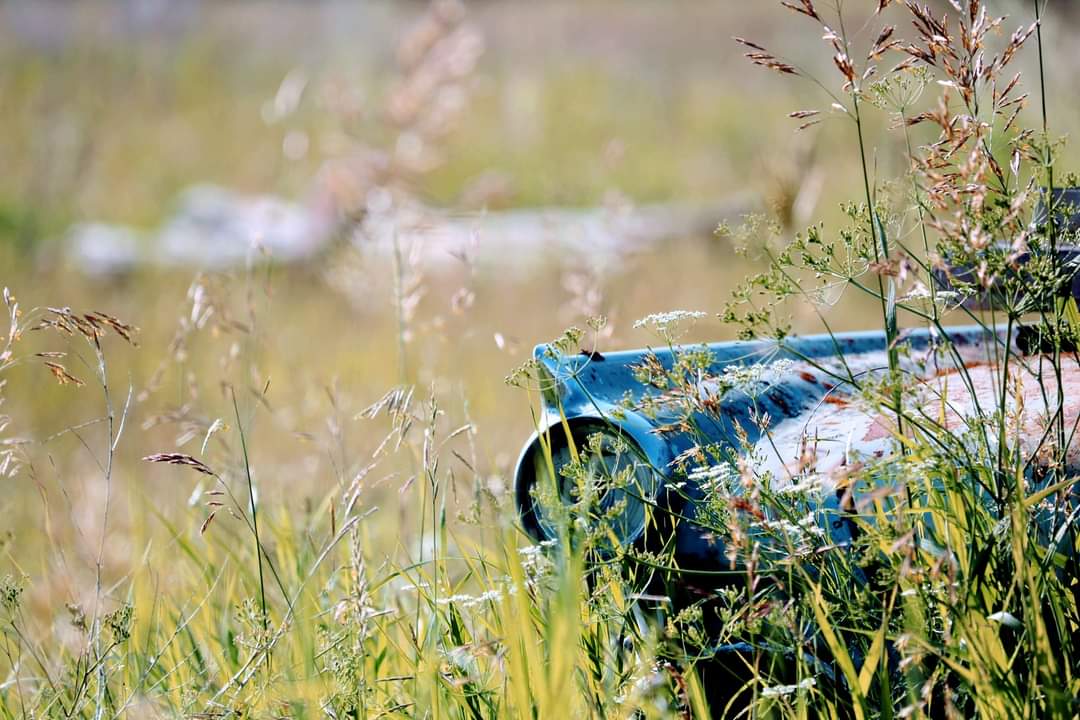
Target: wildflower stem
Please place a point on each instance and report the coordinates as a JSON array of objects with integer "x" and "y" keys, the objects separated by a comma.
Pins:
[
  {"x": 1048, "y": 165},
  {"x": 881, "y": 253},
  {"x": 254, "y": 518}
]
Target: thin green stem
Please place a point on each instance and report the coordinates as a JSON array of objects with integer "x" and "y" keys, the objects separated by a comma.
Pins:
[
  {"x": 881, "y": 253},
  {"x": 1048, "y": 164},
  {"x": 254, "y": 518}
]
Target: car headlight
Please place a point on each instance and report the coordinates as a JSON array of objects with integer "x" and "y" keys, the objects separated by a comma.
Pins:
[{"x": 610, "y": 486}]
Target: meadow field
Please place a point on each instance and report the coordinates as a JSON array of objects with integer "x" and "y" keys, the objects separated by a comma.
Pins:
[{"x": 349, "y": 414}]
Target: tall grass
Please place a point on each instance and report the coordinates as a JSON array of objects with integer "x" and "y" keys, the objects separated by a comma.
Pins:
[
  {"x": 471, "y": 621},
  {"x": 405, "y": 587},
  {"x": 953, "y": 596}
]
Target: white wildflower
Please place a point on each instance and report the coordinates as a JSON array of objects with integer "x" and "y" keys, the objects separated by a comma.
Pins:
[
  {"x": 666, "y": 324},
  {"x": 919, "y": 292},
  {"x": 783, "y": 690},
  {"x": 809, "y": 486},
  {"x": 720, "y": 477},
  {"x": 797, "y": 531},
  {"x": 407, "y": 587},
  {"x": 535, "y": 562},
  {"x": 950, "y": 298},
  {"x": 471, "y": 601},
  {"x": 489, "y": 596},
  {"x": 751, "y": 379},
  {"x": 537, "y": 549}
]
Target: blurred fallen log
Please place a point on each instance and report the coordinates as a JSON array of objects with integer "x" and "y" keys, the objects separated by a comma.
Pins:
[{"x": 217, "y": 229}]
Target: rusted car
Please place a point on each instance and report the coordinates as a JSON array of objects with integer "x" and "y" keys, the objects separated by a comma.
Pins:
[
  {"x": 802, "y": 385},
  {"x": 811, "y": 410},
  {"x": 619, "y": 449},
  {"x": 814, "y": 417}
]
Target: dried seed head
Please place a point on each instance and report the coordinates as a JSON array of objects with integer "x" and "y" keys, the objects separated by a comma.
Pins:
[
  {"x": 920, "y": 118},
  {"x": 925, "y": 23},
  {"x": 180, "y": 459},
  {"x": 885, "y": 34},
  {"x": 804, "y": 7},
  {"x": 883, "y": 43},
  {"x": 92, "y": 325},
  {"x": 1015, "y": 42},
  {"x": 772, "y": 63},
  {"x": 928, "y": 56},
  {"x": 843, "y": 64},
  {"x": 100, "y": 319},
  {"x": 831, "y": 37},
  {"x": 1009, "y": 88},
  {"x": 749, "y": 44},
  {"x": 1012, "y": 118},
  {"x": 763, "y": 57},
  {"x": 62, "y": 375}
]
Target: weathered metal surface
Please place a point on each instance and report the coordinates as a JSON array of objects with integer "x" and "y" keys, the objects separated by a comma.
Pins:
[
  {"x": 844, "y": 429},
  {"x": 817, "y": 422}
]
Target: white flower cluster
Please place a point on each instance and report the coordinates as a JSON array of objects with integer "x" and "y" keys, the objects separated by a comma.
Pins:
[
  {"x": 810, "y": 486},
  {"x": 783, "y": 690},
  {"x": 534, "y": 562},
  {"x": 796, "y": 531},
  {"x": 722, "y": 477},
  {"x": 665, "y": 323},
  {"x": 750, "y": 378},
  {"x": 470, "y": 601}
]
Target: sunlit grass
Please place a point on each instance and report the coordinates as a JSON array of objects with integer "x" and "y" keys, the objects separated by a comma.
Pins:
[{"x": 396, "y": 579}]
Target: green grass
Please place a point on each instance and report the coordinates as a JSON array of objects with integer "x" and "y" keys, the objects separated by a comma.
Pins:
[{"x": 395, "y": 579}]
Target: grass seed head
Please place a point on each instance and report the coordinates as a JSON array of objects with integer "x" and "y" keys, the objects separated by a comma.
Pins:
[{"x": 181, "y": 459}]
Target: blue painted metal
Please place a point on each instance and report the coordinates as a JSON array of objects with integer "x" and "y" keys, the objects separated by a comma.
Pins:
[{"x": 592, "y": 389}]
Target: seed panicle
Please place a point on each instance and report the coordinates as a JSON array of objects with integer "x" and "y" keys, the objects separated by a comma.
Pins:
[{"x": 181, "y": 459}]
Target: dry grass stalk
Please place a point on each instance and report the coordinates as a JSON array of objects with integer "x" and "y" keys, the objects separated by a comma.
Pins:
[{"x": 181, "y": 459}]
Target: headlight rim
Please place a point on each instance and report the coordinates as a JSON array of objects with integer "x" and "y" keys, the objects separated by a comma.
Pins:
[{"x": 580, "y": 429}]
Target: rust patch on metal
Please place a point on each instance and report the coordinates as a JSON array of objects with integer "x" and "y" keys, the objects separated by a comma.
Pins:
[
  {"x": 843, "y": 429},
  {"x": 1031, "y": 401},
  {"x": 880, "y": 429}
]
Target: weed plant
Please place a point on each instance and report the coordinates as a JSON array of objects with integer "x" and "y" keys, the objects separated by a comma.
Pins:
[
  {"x": 955, "y": 596},
  {"x": 954, "y": 593}
]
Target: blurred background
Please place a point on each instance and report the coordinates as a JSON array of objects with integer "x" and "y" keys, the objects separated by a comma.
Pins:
[{"x": 315, "y": 202}]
